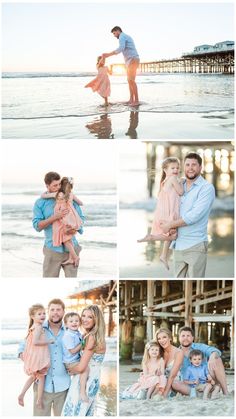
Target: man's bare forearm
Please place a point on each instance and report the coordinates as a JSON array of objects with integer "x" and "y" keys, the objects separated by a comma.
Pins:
[
  {"x": 177, "y": 223},
  {"x": 45, "y": 223}
]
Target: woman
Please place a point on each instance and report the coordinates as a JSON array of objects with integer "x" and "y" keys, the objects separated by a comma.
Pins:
[
  {"x": 92, "y": 357},
  {"x": 173, "y": 358}
]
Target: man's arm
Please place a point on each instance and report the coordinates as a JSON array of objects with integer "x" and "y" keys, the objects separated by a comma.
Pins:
[
  {"x": 39, "y": 221},
  {"x": 118, "y": 50}
]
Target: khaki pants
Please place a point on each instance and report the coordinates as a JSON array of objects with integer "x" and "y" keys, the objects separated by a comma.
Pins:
[
  {"x": 191, "y": 263},
  {"x": 52, "y": 264},
  {"x": 51, "y": 402}
]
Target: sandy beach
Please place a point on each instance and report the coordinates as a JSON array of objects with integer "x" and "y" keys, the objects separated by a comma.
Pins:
[{"x": 178, "y": 406}]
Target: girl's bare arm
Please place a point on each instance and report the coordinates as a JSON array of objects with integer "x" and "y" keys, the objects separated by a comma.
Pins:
[
  {"x": 46, "y": 195},
  {"x": 36, "y": 337},
  {"x": 79, "y": 202},
  {"x": 178, "y": 185},
  {"x": 174, "y": 371}
]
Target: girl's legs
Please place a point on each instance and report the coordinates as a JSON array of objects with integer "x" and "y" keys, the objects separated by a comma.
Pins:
[
  {"x": 157, "y": 237},
  {"x": 39, "y": 402},
  {"x": 73, "y": 257},
  {"x": 150, "y": 391},
  {"x": 26, "y": 387},
  {"x": 164, "y": 254},
  {"x": 83, "y": 382}
]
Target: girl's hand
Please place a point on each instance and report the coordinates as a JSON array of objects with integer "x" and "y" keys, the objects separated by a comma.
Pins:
[{"x": 61, "y": 214}]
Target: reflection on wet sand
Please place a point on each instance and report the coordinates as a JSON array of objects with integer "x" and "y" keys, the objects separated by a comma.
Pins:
[
  {"x": 132, "y": 133},
  {"x": 101, "y": 127}
]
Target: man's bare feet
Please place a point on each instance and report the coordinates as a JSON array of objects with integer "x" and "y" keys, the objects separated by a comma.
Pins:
[
  {"x": 134, "y": 104},
  {"x": 39, "y": 404},
  {"x": 21, "y": 400},
  {"x": 84, "y": 397},
  {"x": 165, "y": 262}
]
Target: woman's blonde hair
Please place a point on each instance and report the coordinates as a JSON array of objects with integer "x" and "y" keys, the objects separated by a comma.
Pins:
[
  {"x": 146, "y": 356},
  {"x": 163, "y": 330},
  {"x": 98, "y": 331},
  {"x": 32, "y": 310},
  {"x": 165, "y": 164}
]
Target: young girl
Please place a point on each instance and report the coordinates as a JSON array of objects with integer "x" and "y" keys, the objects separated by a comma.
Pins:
[
  {"x": 171, "y": 188},
  {"x": 64, "y": 200},
  {"x": 36, "y": 355},
  {"x": 153, "y": 375},
  {"x": 101, "y": 83}
]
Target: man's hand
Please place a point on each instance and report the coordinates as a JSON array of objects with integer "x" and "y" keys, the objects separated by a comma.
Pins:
[
  {"x": 61, "y": 214},
  {"x": 70, "y": 230},
  {"x": 165, "y": 226}
]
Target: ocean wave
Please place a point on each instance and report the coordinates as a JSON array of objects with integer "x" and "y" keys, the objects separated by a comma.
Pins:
[
  {"x": 18, "y": 75},
  {"x": 8, "y": 356},
  {"x": 11, "y": 341}
]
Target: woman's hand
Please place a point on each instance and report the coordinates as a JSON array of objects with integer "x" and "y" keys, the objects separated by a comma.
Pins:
[{"x": 72, "y": 370}]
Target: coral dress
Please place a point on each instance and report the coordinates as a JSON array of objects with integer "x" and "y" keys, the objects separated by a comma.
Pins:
[
  {"x": 167, "y": 208},
  {"x": 36, "y": 358},
  {"x": 101, "y": 83},
  {"x": 59, "y": 234}
]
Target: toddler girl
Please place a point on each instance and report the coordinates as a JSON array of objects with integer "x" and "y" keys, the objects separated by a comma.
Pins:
[
  {"x": 153, "y": 375},
  {"x": 72, "y": 342},
  {"x": 171, "y": 188},
  {"x": 101, "y": 83},
  {"x": 36, "y": 355},
  {"x": 64, "y": 200}
]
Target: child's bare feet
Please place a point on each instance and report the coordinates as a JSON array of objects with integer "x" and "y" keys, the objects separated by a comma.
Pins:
[
  {"x": 165, "y": 262},
  {"x": 84, "y": 397},
  {"x": 21, "y": 400},
  {"x": 147, "y": 238},
  {"x": 76, "y": 261},
  {"x": 39, "y": 404},
  {"x": 68, "y": 261}
]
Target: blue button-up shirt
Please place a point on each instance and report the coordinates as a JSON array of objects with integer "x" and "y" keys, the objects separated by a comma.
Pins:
[
  {"x": 205, "y": 349},
  {"x": 194, "y": 373},
  {"x": 43, "y": 209},
  {"x": 70, "y": 340},
  {"x": 195, "y": 207},
  {"x": 127, "y": 47},
  {"x": 57, "y": 378}
]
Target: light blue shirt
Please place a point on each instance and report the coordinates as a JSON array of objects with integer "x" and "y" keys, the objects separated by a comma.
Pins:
[
  {"x": 57, "y": 378},
  {"x": 70, "y": 340},
  {"x": 194, "y": 373},
  {"x": 43, "y": 209},
  {"x": 195, "y": 207},
  {"x": 205, "y": 349},
  {"x": 127, "y": 47}
]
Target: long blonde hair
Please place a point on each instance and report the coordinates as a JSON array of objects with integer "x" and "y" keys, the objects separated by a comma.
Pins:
[
  {"x": 165, "y": 164},
  {"x": 163, "y": 330},
  {"x": 146, "y": 356},
  {"x": 98, "y": 331},
  {"x": 32, "y": 310}
]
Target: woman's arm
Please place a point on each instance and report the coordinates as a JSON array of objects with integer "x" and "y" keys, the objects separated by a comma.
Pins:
[
  {"x": 177, "y": 364},
  {"x": 46, "y": 195},
  {"x": 85, "y": 358},
  {"x": 77, "y": 200},
  {"x": 75, "y": 349},
  {"x": 177, "y": 185},
  {"x": 162, "y": 366}
]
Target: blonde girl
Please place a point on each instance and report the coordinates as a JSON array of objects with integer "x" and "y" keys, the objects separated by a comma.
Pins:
[
  {"x": 101, "y": 83},
  {"x": 64, "y": 200},
  {"x": 36, "y": 355},
  {"x": 153, "y": 375},
  {"x": 168, "y": 206}
]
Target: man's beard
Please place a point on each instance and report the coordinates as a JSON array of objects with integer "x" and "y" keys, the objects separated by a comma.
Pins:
[
  {"x": 56, "y": 321},
  {"x": 193, "y": 177},
  {"x": 186, "y": 346}
]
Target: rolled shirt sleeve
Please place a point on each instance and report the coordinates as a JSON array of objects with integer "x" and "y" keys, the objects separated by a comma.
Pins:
[
  {"x": 202, "y": 205},
  {"x": 37, "y": 215}
]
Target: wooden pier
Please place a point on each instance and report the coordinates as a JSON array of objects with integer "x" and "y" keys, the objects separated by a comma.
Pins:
[
  {"x": 206, "y": 306},
  {"x": 198, "y": 63}
]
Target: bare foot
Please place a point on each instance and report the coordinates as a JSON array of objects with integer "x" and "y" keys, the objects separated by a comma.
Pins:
[
  {"x": 84, "y": 397},
  {"x": 165, "y": 262},
  {"x": 21, "y": 400},
  {"x": 215, "y": 393},
  {"x": 134, "y": 103},
  {"x": 68, "y": 261},
  {"x": 39, "y": 404},
  {"x": 76, "y": 261},
  {"x": 147, "y": 238},
  {"x": 158, "y": 237}
]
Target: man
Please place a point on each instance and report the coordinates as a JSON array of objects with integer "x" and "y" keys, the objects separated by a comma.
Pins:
[
  {"x": 43, "y": 218},
  {"x": 127, "y": 47},
  {"x": 211, "y": 354},
  {"x": 190, "y": 247},
  {"x": 57, "y": 379}
]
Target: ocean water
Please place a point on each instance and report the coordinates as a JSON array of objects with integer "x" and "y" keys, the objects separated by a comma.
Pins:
[
  {"x": 47, "y": 100},
  {"x": 22, "y": 245},
  {"x": 13, "y": 332}
]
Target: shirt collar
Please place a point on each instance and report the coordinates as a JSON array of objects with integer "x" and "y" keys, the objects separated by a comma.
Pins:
[
  {"x": 46, "y": 325},
  {"x": 198, "y": 181}
]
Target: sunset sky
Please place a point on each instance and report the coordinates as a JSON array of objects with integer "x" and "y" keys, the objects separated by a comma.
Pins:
[{"x": 69, "y": 36}]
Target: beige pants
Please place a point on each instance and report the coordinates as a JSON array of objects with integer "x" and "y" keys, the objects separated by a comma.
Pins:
[
  {"x": 52, "y": 264},
  {"x": 191, "y": 263},
  {"x": 51, "y": 402}
]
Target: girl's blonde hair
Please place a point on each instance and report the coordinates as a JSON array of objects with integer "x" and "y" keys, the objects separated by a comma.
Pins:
[
  {"x": 32, "y": 310},
  {"x": 146, "y": 356},
  {"x": 165, "y": 164},
  {"x": 66, "y": 187},
  {"x": 100, "y": 61},
  {"x": 98, "y": 331}
]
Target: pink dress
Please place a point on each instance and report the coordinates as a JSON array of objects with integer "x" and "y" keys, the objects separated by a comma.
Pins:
[
  {"x": 101, "y": 83},
  {"x": 36, "y": 358},
  {"x": 167, "y": 208},
  {"x": 59, "y": 234}
]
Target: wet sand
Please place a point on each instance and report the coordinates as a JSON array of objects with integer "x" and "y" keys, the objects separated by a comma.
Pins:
[{"x": 177, "y": 406}]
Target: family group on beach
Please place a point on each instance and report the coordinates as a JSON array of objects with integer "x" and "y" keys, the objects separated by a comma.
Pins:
[
  {"x": 190, "y": 370},
  {"x": 181, "y": 216},
  {"x": 101, "y": 84},
  {"x": 54, "y": 350}
]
